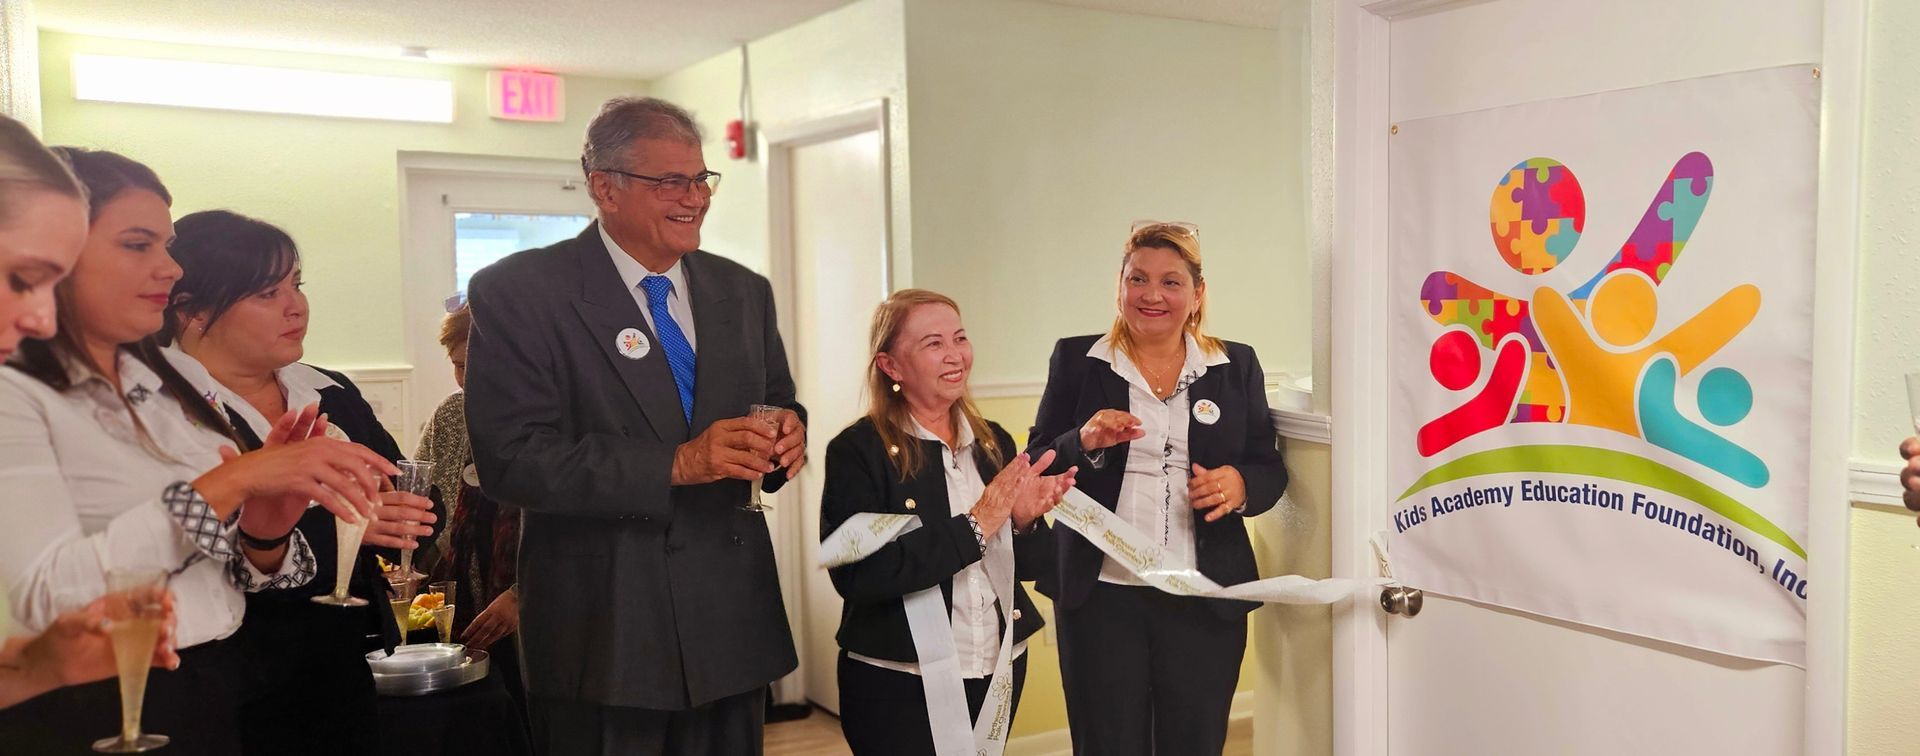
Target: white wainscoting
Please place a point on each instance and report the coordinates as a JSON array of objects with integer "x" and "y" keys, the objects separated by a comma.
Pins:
[{"x": 385, "y": 389}]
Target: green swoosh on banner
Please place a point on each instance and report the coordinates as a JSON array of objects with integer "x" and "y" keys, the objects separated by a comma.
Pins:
[{"x": 1604, "y": 463}]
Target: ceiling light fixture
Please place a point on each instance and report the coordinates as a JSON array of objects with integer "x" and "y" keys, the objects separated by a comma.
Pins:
[
  {"x": 415, "y": 52},
  {"x": 223, "y": 86}
]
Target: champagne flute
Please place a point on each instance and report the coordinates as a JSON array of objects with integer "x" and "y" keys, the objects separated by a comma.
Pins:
[
  {"x": 416, "y": 477},
  {"x": 769, "y": 416},
  {"x": 443, "y": 614},
  {"x": 136, "y": 608},
  {"x": 401, "y": 607},
  {"x": 347, "y": 535}
]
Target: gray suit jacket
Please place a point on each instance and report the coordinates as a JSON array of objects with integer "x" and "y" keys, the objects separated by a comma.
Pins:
[{"x": 633, "y": 592}]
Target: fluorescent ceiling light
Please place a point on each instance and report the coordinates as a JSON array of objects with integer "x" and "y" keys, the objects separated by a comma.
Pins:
[{"x": 223, "y": 86}]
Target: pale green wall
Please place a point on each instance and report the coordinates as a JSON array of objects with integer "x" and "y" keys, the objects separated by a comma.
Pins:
[
  {"x": 1040, "y": 132},
  {"x": 332, "y": 183},
  {"x": 823, "y": 66},
  {"x": 1883, "y": 681}
]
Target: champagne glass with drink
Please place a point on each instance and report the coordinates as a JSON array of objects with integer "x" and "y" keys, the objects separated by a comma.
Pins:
[
  {"x": 416, "y": 477},
  {"x": 347, "y": 535},
  {"x": 769, "y": 416},
  {"x": 136, "y": 609}
]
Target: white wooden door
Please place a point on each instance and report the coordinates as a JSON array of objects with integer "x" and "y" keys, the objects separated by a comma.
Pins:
[
  {"x": 1462, "y": 678},
  {"x": 838, "y": 237},
  {"x": 461, "y": 215}
]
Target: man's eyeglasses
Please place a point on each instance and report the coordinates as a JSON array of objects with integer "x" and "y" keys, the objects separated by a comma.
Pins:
[
  {"x": 1178, "y": 228},
  {"x": 673, "y": 188}
]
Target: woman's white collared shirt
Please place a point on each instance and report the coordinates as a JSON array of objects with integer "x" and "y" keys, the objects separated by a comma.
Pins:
[
  {"x": 300, "y": 385},
  {"x": 85, "y": 494},
  {"x": 1153, "y": 485},
  {"x": 976, "y": 613}
]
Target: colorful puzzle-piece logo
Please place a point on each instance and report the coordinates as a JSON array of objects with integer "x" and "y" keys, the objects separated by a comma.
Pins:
[{"x": 1548, "y": 367}]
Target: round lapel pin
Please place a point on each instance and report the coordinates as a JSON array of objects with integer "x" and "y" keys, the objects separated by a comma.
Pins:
[
  {"x": 1206, "y": 412},
  {"x": 632, "y": 344}
]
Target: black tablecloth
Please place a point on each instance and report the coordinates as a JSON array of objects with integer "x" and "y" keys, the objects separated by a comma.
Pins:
[{"x": 479, "y": 719}]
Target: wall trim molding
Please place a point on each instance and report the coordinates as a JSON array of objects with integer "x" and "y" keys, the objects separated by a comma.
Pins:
[
  {"x": 1873, "y": 484},
  {"x": 1303, "y": 426}
]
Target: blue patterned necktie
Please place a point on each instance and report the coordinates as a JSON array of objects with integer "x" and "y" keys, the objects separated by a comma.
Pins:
[{"x": 672, "y": 341}]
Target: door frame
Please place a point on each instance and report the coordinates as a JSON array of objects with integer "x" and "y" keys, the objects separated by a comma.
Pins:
[
  {"x": 777, "y": 144},
  {"x": 415, "y": 166},
  {"x": 1359, "y": 329}
]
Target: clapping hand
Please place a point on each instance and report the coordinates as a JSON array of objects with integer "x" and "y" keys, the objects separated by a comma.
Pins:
[{"x": 1109, "y": 427}]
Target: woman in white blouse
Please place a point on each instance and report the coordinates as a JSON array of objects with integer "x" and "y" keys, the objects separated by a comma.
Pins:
[
  {"x": 111, "y": 459},
  {"x": 43, "y": 222},
  {"x": 1170, "y": 428},
  {"x": 924, "y": 450}
]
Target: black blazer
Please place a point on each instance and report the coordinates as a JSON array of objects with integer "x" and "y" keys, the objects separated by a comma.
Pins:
[
  {"x": 1079, "y": 385},
  {"x": 284, "y": 630},
  {"x": 860, "y": 478},
  {"x": 634, "y": 592}
]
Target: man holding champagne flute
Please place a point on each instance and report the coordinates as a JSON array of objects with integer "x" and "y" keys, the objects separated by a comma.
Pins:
[{"x": 609, "y": 381}]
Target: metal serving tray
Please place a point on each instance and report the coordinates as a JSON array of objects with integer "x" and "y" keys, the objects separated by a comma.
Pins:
[{"x": 473, "y": 668}]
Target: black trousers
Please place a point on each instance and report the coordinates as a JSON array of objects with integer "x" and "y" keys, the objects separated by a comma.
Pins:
[
  {"x": 884, "y": 713},
  {"x": 1148, "y": 672},
  {"x": 727, "y": 727},
  {"x": 196, "y": 705}
]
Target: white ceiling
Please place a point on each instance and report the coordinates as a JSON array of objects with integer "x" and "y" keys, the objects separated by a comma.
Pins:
[{"x": 640, "y": 39}]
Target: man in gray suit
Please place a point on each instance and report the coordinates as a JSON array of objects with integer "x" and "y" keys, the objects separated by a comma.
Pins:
[{"x": 608, "y": 380}]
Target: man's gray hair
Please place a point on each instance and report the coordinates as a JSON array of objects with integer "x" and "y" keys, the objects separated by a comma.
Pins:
[{"x": 624, "y": 119}]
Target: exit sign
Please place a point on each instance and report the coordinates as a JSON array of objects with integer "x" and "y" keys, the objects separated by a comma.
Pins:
[{"x": 526, "y": 96}]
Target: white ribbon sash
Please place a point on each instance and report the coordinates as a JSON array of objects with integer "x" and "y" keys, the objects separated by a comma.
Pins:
[
  {"x": 863, "y": 534},
  {"x": 927, "y": 618}
]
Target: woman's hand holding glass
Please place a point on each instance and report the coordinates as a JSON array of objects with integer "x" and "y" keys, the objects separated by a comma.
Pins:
[
  {"x": 1107, "y": 428},
  {"x": 76, "y": 649},
  {"x": 1220, "y": 490},
  {"x": 296, "y": 465},
  {"x": 402, "y": 519}
]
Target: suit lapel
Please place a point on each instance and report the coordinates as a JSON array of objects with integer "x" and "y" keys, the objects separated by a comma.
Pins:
[
  {"x": 716, "y": 323},
  {"x": 606, "y": 308},
  {"x": 1201, "y": 438}
]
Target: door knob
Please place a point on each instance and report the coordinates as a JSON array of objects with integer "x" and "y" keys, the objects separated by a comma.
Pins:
[{"x": 1401, "y": 600}]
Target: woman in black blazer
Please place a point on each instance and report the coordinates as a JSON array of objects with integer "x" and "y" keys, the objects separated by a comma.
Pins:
[
  {"x": 1169, "y": 427},
  {"x": 923, "y": 449},
  {"x": 239, "y": 311}
]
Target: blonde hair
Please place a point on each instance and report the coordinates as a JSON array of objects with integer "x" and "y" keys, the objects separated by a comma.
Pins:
[
  {"x": 454, "y": 329},
  {"x": 887, "y": 408},
  {"x": 1179, "y": 241},
  {"x": 27, "y": 164}
]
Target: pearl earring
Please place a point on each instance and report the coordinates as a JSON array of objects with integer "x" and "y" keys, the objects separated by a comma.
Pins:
[{"x": 896, "y": 388}]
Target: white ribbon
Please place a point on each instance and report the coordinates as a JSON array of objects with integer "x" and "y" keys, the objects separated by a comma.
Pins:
[
  {"x": 933, "y": 646},
  {"x": 863, "y": 534}
]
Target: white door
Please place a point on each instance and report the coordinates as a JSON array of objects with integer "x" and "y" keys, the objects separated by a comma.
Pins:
[
  {"x": 460, "y": 219},
  {"x": 835, "y": 187},
  {"x": 1462, "y": 678}
]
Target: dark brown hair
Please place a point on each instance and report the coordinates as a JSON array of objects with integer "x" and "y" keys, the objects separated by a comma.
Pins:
[
  {"x": 224, "y": 257},
  {"x": 107, "y": 175}
]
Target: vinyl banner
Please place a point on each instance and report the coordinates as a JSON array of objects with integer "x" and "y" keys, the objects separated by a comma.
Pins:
[{"x": 1601, "y": 327}]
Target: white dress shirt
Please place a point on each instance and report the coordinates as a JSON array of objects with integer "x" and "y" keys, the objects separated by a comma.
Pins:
[
  {"x": 1153, "y": 486},
  {"x": 678, "y": 303},
  {"x": 300, "y": 385},
  {"x": 976, "y": 612},
  {"x": 86, "y": 494}
]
